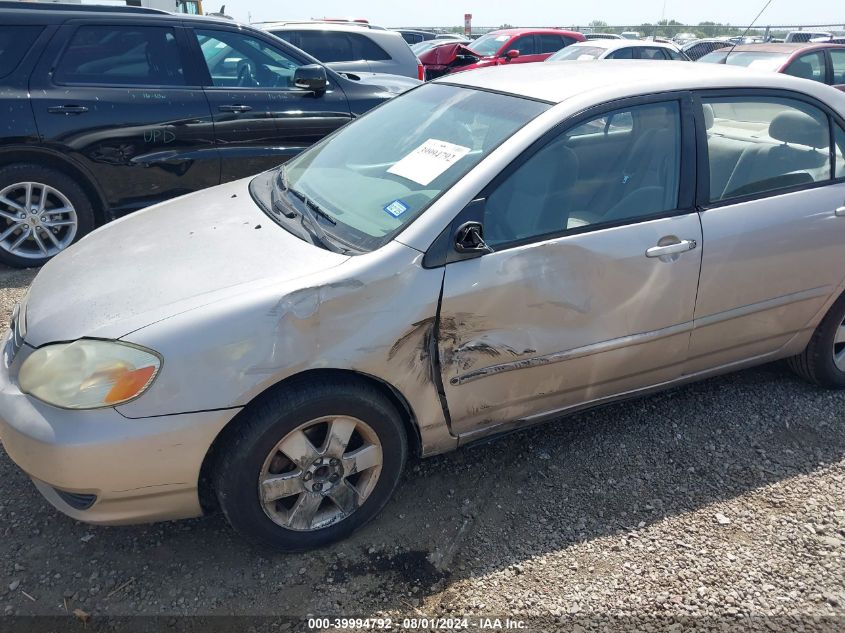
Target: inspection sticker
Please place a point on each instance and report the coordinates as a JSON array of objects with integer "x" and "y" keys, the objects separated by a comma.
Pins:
[
  {"x": 428, "y": 161},
  {"x": 396, "y": 208}
]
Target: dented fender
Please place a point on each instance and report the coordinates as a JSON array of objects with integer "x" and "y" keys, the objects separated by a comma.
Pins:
[{"x": 374, "y": 314}]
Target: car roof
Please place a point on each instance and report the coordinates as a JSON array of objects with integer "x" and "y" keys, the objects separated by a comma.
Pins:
[
  {"x": 784, "y": 47},
  {"x": 556, "y": 82},
  {"x": 615, "y": 44},
  {"x": 58, "y": 13},
  {"x": 529, "y": 31},
  {"x": 353, "y": 27}
]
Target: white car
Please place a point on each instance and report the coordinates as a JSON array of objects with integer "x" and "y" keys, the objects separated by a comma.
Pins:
[{"x": 618, "y": 49}]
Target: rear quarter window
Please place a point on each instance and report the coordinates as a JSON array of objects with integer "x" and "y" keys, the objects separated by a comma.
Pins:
[{"x": 15, "y": 42}]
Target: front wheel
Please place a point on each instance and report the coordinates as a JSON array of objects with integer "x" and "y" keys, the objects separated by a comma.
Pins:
[
  {"x": 308, "y": 464},
  {"x": 823, "y": 360}
]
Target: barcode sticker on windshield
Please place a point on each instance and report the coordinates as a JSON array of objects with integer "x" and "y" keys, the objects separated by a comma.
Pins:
[{"x": 428, "y": 161}]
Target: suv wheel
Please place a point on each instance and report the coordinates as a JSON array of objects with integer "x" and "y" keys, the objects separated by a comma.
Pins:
[
  {"x": 42, "y": 212},
  {"x": 309, "y": 464}
]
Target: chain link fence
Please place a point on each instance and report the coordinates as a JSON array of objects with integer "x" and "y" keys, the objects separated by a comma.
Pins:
[{"x": 669, "y": 29}]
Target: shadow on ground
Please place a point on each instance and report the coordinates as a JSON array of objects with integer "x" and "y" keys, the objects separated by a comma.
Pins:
[{"x": 455, "y": 516}]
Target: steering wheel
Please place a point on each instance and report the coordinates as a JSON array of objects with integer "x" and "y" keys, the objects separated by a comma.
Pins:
[{"x": 246, "y": 75}]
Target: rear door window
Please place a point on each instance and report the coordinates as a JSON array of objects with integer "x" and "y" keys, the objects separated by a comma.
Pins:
[
  {"x": 837, "y": 64},
  {"x": 758, "y": 145},
  {"x": 124, "y": 55},
  {"x": 365, "y": 48},
  {"x": 622, "y": 53},
  {"x": 15, "y": 41},
  {"x": 648, "y": 52},
  {"x": 550, "y": 43},
  {"x": 327, "y": 46},
  {"x": 810, "y": 66}
]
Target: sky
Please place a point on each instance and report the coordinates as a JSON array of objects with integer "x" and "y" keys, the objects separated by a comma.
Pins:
[{"x": 538, "y": 12}]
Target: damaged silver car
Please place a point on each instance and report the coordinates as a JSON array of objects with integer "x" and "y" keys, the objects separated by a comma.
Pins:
[{"x": 488, "y": 251}]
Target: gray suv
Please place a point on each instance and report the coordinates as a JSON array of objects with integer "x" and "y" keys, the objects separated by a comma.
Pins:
[{"x": 351, "y": 47}]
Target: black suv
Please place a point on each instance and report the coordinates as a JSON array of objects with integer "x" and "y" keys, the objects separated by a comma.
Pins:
[{"x": 106, "y": 110}]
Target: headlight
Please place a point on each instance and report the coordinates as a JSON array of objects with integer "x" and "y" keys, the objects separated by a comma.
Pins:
[{"x": 87, "y": 374}]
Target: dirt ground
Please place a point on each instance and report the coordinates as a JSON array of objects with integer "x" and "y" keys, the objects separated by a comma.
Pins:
[{"x": 720, "y": 505}]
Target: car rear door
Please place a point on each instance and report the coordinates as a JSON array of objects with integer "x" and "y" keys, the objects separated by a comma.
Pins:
[
  {"x": 118, "y": 98},
  {"x": 586, "y": 293},
  {"x": 260, "y": 118},
  {"x": 772, "y": 224}
]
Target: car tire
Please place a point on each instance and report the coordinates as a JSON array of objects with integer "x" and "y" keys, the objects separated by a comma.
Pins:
[
  {"x": 63, "y": 191},
  {"x": 823, "y": 360},
  {"x": 258, "y": 448}
]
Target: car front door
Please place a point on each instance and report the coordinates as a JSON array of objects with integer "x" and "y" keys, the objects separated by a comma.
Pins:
[
  {"x": 589, "y": 289},
  {"x": 772, "y": 233},
  {"x": 527, "y": 48},
  {"x": 260, "y": 118},
  {"x": 118, "y": 99}
]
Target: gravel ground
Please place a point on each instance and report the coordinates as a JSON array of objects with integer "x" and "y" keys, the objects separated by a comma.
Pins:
[{"x": 718, "y": 505}]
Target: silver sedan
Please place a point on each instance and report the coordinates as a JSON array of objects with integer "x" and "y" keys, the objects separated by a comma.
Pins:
[{"x": 486, "y": 252}]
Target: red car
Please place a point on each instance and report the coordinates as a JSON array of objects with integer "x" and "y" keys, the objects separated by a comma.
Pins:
[
  {"x": 822, "y": 62},
  {"x": 508, "y": 46}
]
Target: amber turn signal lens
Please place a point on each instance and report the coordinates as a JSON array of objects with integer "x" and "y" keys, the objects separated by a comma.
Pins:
[{"x": 130, "y": 384}]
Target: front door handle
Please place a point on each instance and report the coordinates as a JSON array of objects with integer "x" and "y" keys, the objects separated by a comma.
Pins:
[
  {"x": 234, "y": 108},
  {"x": 67, "y": 109},
  {"x": 840, "y": 212},
  {"x": 671, "y": 249}
]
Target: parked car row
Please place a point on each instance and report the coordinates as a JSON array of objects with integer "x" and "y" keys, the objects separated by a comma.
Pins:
[{"x": 108, "y": 110}]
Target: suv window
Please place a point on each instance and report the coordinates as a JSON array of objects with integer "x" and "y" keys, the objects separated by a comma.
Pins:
[
  {"x": 327, "y": 46},
  {"x": 122, "y": 55},
  {"x": 761, "y": 144},
  {"x": 524, "y": 44},
  {"x": 570, "y": 183},
  {"x": 365, "y": 48},
  {"x": 809, "y": 66},
  {"x": 14, "y": 44},
  {"x": 551, "y": 43},
  {"x": 236, "y": 60}
]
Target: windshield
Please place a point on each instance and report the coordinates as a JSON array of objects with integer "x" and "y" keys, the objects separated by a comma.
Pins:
[
  {"x": 577, "y": 52},
  {"x": 757, "y": 60},
  {"x": 377, "y": 174},
  {"x": 488, "y": 45}
]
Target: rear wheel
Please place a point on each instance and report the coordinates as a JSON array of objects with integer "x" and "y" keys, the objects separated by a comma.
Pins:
[
  {"x": 823, "y": 360},
  {"x": 42, "y": 212},
  {"x": 309, "y": 464}
]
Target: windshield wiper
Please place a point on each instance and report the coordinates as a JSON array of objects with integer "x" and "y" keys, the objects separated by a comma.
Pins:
[{"x": 314, "y": 207}]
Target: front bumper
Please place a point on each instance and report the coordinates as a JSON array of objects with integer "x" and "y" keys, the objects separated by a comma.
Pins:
[{"x": 139, "y": 470}]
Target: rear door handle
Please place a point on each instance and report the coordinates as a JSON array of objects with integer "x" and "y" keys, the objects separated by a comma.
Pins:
[
  {"x": 67, "y": 109},
  {"x": 234, "y": 108},
  {"x": 840, "y": 212},
  {"x": 671, "y": 249}
]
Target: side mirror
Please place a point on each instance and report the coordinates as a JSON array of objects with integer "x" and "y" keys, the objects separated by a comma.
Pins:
[
  {"x": 469, "y": 238},
  {"x": 311, "y": 77},
  {"x": 512, "y": 54}
]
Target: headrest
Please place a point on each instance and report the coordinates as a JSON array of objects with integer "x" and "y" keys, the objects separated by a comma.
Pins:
[
  {"x": 708, "y": 116},
  {"x": 799, "y": 128}
]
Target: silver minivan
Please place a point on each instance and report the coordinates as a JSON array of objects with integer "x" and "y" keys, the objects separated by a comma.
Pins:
[
  {"x": 351, "y": 47},
  {"x": 485, "y": 252}
]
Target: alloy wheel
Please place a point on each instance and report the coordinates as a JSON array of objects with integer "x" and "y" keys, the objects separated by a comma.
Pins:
[
  {"x": 839, "y": 347},
  {"x": 320, "y": 473},
  {"x": 36, "y": 220}
]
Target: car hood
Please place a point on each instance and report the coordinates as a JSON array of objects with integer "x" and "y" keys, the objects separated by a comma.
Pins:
[
  {"x": 165, "y": 260},
  {"x": 392, "y": 84},
  {"x": 445, "y": 55}
]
